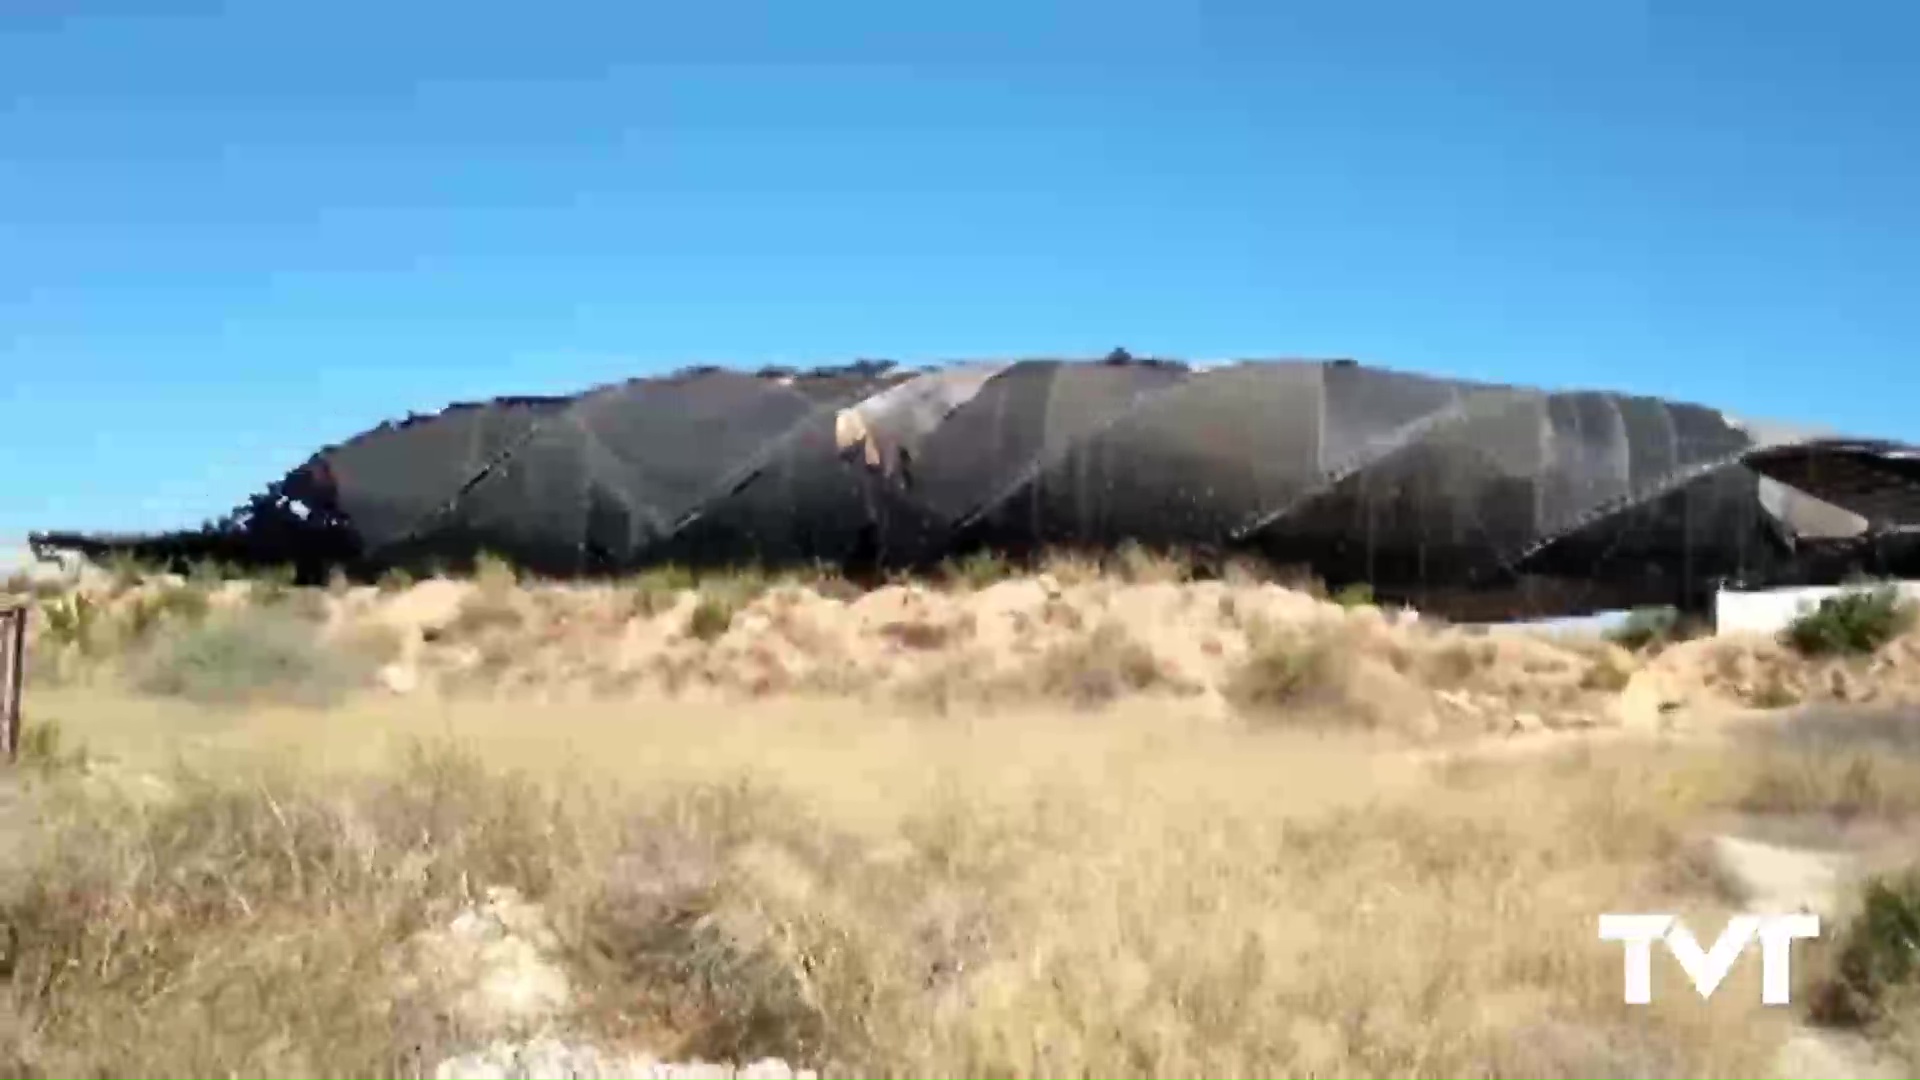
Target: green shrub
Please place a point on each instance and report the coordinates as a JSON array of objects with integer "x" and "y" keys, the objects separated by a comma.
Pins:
[
  {"x": 722, "y": 596},
  {"x": 1878, "y": 953},
  {"x": 711, "y": 616},
  {"x": 658, "y": 589},
  {"x": 1138, "y": 564},
  {"x": 252, "y": 655},
  {"x": 493, "y": 573},
  {"x": 1854, "y": 622},
  {"x": 1645, "y": 627},
  {"x": 212, "y": 572},
  {"x": 1358, "y": 594},
  {"x": 977, "y": 570}
]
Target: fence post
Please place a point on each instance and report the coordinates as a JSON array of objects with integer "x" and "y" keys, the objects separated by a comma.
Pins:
[{"x": 13, "y": 677}]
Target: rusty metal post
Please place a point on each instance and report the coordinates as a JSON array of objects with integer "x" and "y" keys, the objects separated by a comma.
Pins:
[{"x": 13, "y": 677}]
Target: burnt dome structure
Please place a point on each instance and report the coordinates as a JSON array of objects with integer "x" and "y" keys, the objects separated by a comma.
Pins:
[{"x": 1472, "y": 499}]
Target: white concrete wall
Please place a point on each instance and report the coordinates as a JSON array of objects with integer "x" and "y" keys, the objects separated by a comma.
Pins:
[{"x": 1770, "y": 611}]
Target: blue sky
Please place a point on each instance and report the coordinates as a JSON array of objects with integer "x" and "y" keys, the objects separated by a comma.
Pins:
[{"x": 229, "y": 236}]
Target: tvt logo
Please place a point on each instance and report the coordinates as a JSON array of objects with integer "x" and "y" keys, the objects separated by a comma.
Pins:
[{"x": 1708, "y": 967}]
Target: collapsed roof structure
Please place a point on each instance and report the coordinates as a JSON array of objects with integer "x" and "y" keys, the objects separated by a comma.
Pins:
[{"x": 1468, "y": 498}]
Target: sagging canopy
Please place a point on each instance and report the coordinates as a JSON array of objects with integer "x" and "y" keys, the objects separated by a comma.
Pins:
[{"x": 1419, "y": 485}]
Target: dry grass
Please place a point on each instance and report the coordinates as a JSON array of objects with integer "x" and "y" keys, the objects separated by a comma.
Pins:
[
  {"x": 1013, "y": 888},
  {"x": 921, "y": 635},
  {"x": 1833, "y": 774},
  {"x": 1098, "y": 668},
  {"x": 1836, "y": 765},
  {"x": 21, "y": 585},
  {"x": 72, "y": 622},
  {"x": 1130, "y": 562},
  {"x": 977, "y": 570},
  {"x": 1290, "y": 670},
  {"x": 1333, "y": 676},
  {"x": 1023, "y": 894},
  {"x": 244, "y": 926},
  {"x": 496, "y": 605},
  {"x": 246, "y": 656},
  {"x": 672, "y": 631},
  {"x": 170, "y": 604},
  {"x": 1610, "y": 673},
  {"x": 483, "y": 613}
]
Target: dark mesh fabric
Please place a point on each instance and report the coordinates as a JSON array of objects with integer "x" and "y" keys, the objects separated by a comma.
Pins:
[
  {"x": 807, "y": 505},
  {"x": 531, "y": 508},
  {"x": 1586, "y": 459},
  {"x": 1366, "y": 409},
  {"x": 1446, "y": 500},
  {"x": 1653, "y": 451},
  {"x": 1670, "y": 548},
  {"x": 385, "y": 479},
  {"x": 1196, "y": 459},
  {"x": 1432, "y": 489},
  {"x": 1061, "y": 495},
  {"x": 598, "y": 484},
  {"x": 663, "y": 451},
  {"x": 981, "y": 470}
]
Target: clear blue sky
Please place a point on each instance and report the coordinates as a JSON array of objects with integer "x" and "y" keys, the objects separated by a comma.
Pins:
[{"x": 227, "y": 237}]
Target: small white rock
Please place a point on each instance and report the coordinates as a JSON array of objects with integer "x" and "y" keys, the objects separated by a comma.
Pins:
[{"x": 399, "y": 678}]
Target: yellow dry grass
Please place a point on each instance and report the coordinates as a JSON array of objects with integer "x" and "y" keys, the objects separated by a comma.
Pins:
[
  {"x": 1044, "y": 892},
  {"x": 1013, "y": 884}
]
